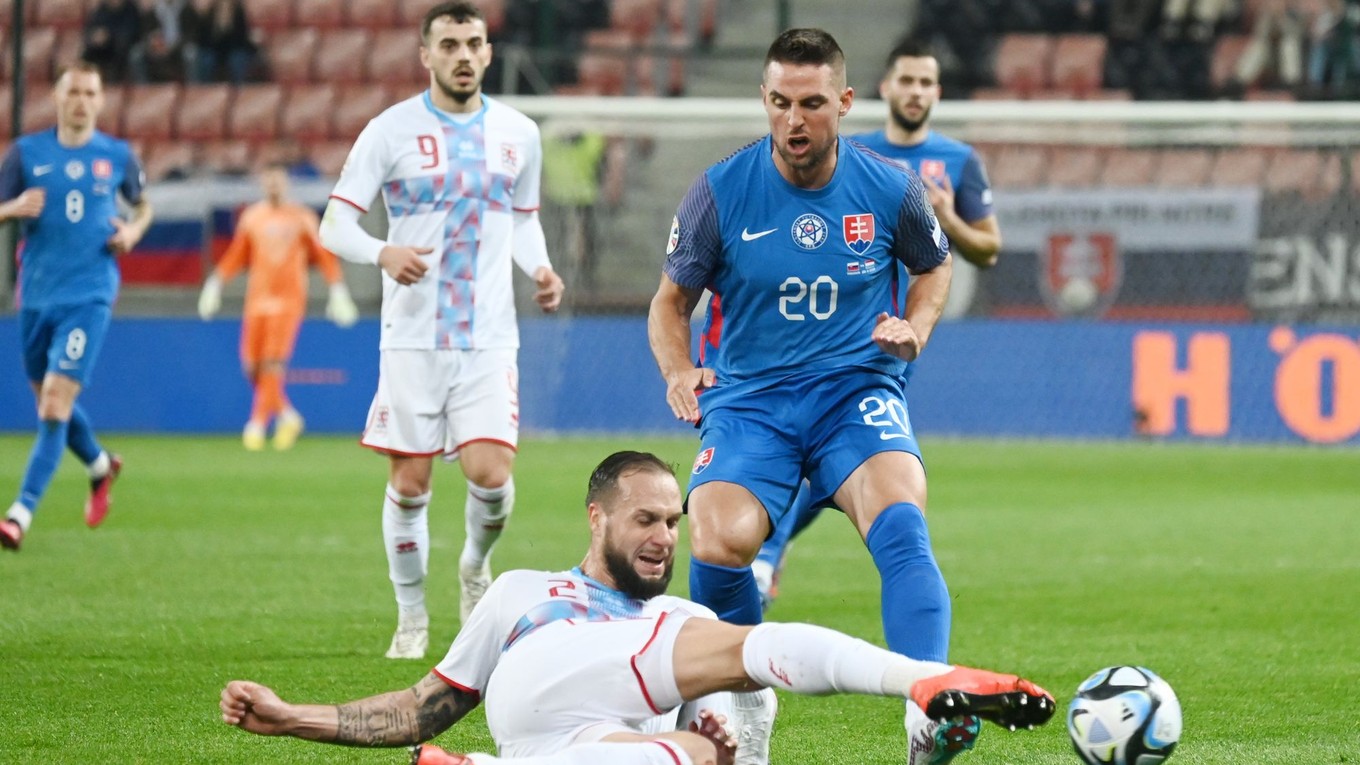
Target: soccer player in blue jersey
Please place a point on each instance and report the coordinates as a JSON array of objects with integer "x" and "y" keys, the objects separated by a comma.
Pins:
[
  {"x": 803, "y": 240},
  {"x": 63, "y": 183},
  {"x": 956, "y": 184}
]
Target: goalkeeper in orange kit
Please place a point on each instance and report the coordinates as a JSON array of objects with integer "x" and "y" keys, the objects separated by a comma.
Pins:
[{"x": 275, "y": 239}]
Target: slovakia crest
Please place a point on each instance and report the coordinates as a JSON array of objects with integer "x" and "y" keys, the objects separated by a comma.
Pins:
[
  {"x": 809, "y": 231},
  {"x": 703, "y": 460},
  {"x": 510, "y": 156},
  {"x": 1081, "y": 272},
  {"x": 934, "y": 169},
  {"x": 859, "y": 231},
  {"x": 674, "y": 240},
  {"x": 102, "y": 169}
]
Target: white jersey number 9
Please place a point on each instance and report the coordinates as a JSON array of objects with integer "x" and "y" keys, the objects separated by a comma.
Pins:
[
  {"x": 75, "y": 206},
  {"x": 798, "y": 299}
]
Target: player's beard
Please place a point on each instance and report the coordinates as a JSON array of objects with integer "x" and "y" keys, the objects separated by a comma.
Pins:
[
  {"x": 452, "y": 91},
  {"x": 811, "y": 159},
  {"x": 905, "y": 122},
  {"x": 628, "y": 581}
]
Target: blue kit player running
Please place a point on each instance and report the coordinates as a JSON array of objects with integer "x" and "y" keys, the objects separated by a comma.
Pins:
[
  {"x": 956, "y": 184},
  {"x": 803, "y": 240},
  {"x": 63, "y": 183}
]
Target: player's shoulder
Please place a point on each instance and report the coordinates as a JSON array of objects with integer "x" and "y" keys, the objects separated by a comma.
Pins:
[
  {"x": 869, "y": 160},
  {"x": 666, "y": 603},
  {"x": 403, "y": 114},
  {"x": 740, "y": 164},
  {"x": 38, "y": 139},
  {"x": 941, "y": 143},
  {"x": 508, "y": 116}
]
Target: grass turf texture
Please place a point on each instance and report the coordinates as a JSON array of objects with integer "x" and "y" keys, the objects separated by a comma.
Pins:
[{"x": 1230, "y": 571}]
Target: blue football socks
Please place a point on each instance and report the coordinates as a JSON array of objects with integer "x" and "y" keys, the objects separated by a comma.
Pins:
[
  {"x": 730, "y": 592},
  {"x": 80, "y": 436},
  {"x": 916, "y": 609},
  {"x": 43, "y": 461}
]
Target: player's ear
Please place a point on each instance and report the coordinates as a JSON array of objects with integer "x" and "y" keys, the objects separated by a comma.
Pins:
[{"x": 847, "y": 98}]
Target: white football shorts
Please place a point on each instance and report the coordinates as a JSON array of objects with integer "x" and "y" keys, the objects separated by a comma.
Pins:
[
  {"x": 572, "y": 682},
  {"x": 434, "y": 402}
]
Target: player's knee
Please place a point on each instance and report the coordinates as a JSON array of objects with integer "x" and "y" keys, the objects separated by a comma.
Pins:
[
  {"x": 54, "y": 405},
  {"x": 701, "y": 751},
  {"x": 722, "y": 549}
]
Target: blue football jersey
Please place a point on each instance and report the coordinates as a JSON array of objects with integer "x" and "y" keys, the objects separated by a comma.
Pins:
[
  {"x": 799, "y": 276},
  {"x": 937, "y": 157},
  {"x": 66, "y": 258}
]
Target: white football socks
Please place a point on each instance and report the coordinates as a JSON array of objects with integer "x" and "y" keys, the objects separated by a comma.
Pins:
[
  {"x": 807, "y": 659},
  {"x": 406, "y": 537},
  {"x": 484, "y": 518},
  {"x": 100, "y": 467}
]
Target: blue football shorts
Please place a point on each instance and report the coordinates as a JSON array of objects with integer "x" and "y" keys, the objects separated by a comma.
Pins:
[
  {"x": 819, "y": 427},
  {"x": 65, "y": 339}
]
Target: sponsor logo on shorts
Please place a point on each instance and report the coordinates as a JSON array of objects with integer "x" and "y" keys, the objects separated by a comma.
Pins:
[{"x": 702, "y": 461}]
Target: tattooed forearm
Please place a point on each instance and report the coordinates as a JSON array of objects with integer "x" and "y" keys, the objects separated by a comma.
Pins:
[{"x": 403, "y": 718}]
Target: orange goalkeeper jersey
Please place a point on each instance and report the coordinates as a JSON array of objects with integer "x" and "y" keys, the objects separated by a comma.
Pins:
[{"x": 276, "y": 244}]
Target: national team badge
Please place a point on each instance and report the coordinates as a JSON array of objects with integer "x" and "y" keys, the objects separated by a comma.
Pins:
[
  {"x": 1080, "y": 273},
  {"x": 75, "y": 169},
  {"x": 934, "y": 169},
  {"x": 858, "y": 231},
  {"x": 674, "y": 240},
  {"x": 509, "y": 156},
  {"x": 702, "y": 461},
  {"x": 809, "y": 231},
  {"x": 102, "y": 169}
]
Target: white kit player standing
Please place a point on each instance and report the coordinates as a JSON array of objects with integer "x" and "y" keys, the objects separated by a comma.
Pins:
[{"x": 459, "y": 175}]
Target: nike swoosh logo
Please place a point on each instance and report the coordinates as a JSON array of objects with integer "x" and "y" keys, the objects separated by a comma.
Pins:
[
  {"x": 42, "y": 169},
  {"x": 747, "y": 236}
]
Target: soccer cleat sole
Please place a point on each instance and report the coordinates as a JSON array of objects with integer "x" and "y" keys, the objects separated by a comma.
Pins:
[
  {"x": 11, "y": 535},
  {"x": 1011, "y": 709}
]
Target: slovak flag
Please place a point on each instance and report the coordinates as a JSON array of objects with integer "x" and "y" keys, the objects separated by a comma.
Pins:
[{"x": 859, "y": 231}]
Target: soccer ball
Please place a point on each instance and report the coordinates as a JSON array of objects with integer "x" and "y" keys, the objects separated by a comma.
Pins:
[{"x": 1124, "y": 716}]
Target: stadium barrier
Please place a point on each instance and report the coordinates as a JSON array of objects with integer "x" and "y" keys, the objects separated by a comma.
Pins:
[{"x": 1074, "y": 379}]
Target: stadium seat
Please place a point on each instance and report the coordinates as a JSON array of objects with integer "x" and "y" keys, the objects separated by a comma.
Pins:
[
  {"x": 494, "y": 11},
  {"x": 679, "y": 46},
  {"x": 410, "y": 13},
  {"x": 290, "y": 55},
  {"x": 1126, "y": 168},
  {"x": 373, "y": 14},
  {"x": 255, "y": 112},
  {"x": 1238, "y": 167},
  {"x": 70, "y": 44},
  {"x": 306, "y": 113},
  {"x": 111, "y": 116},
  {"x": 702, "y": 15},
  {"x": 342, "y": 56},
  {"x": 1019, "y": 167},
  {"x": 227, "y": 157},
  {"x": 1022, "y": 62},
  {"x": 1278, "y": 96},
  {"x": 636, "y": 17},
  {"x": 1223, "y": 65},
  {"x": 269, "y": 15},
  {"x": 996, "y": 94},
  {"x": 1109, "y": 94},
  {"x": 6, "y": 110},
  {"x": 329, "y": 157},
  {"x": 1078, "y": 63},
  {"x": 40, "y": 111},
  {"x": 602, "y": 73},
  {"x": 358, "y": 105},
  {"x": 394, "y": 58},
  {"x": 169, "y": 157},
  {"x": 202, "y": 113},
  {"x": 1075, "y": 167},
  {"x": 147, "y": 111},
  {"x": 40, "y": 47},
  {"x": 1183, "y": 168},
  {"x": 319, "y": 14},
  {"x": 58, "y": 14},
  {"x": 1314, "y": 174}
]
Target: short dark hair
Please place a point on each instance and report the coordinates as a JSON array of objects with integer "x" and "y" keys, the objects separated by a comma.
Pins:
[
  {"x": 605, "y": 479},
  {"x": 908, "y": 47},
  {"x": 807, "y": 46},
  {"x": 461, "y": 11}
]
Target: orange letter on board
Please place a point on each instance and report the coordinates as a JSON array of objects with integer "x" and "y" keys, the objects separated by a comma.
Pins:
[
  {"x": 1158, "y": 383},
  {"x": 1299, "y": 383}
]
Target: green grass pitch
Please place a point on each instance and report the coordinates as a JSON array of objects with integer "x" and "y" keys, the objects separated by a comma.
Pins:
[{"x": 1232, "y": 571}]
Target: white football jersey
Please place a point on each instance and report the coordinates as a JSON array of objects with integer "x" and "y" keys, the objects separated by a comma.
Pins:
[
  {"x": 451, "y": 183},
  {"x": 519, "y": 602}
]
